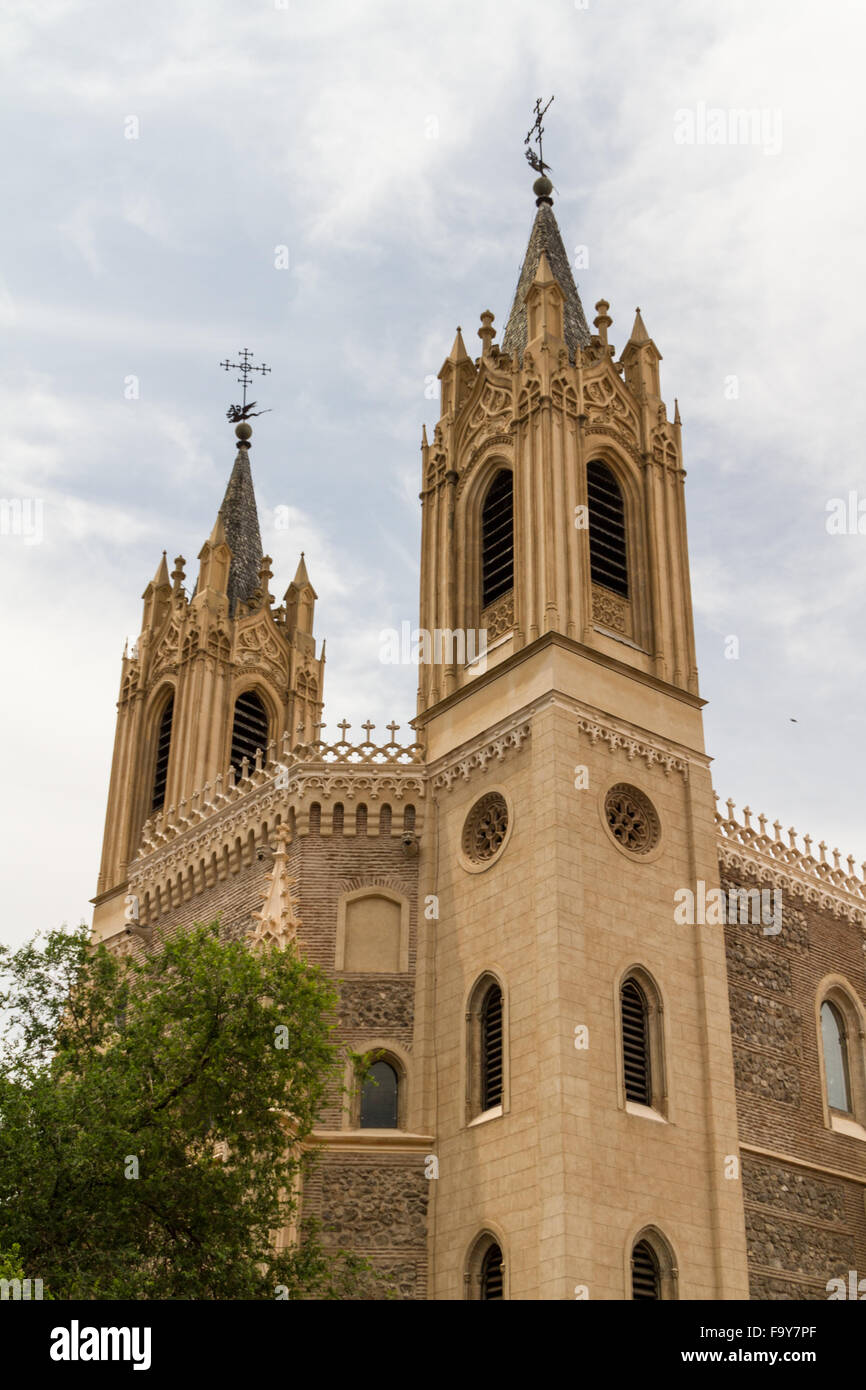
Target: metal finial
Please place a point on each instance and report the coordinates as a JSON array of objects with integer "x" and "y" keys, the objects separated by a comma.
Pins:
[
  {"x": 237, "y": 413},
  {"x": 536, "y": 160},
  {"x": 542, "y": 186}
]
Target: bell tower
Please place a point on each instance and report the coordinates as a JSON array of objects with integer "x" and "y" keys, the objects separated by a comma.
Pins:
[
  {"x": 578, "y": 1045},
  {"x": 530, "y": 411},
  {"x": 215, "y": 676}
]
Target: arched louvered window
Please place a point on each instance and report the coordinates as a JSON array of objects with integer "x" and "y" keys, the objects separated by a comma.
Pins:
[
  {"x": 491, "y": 1274},
  {"x": 491, "y": 1048},
  {"x": 497, "y": 538},
  {"x": 833, "y": 1034},
  {"x": 645, "y": 1272},
  {"x": 163, "y": 746},
  {"x": 607, "y": 548},
  {"x": 379, "y": 1097},
  {"x": 636, "y": 1043},
  {"x": 250, "y": 728}
]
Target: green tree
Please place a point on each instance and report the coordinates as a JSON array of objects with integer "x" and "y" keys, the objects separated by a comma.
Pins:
[{"x": 152, "y": 1115}]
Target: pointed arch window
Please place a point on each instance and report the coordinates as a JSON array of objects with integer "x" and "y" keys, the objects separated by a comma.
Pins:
[
  {"x": 491, "y": 1048},
  {"x": 608, "y": 560},
  {"x": 380, "y": 1097},
  {"x": 645, "y": 1274},
  {"x": 637, "y": 1070},
  {"x": 491, "y": 1275},
  {"x": 497, "y": 538},
  {"x": 836, "y": 1069},
  {"x": 163, "y": 747},
  {"x": 653, "y": 1271},
  {"x": 485, "y": 1272},
  {"x": 486, "y": 1051},
  {"x": 250, "y": 728}
]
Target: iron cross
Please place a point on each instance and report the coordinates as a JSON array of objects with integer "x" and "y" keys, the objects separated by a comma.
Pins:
[
  {"x": 236, "y": 413},
  {"x": 536, "y": 160}
]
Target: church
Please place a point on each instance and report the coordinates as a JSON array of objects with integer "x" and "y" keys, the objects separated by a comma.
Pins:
[{"x": 620, "y": 1025}]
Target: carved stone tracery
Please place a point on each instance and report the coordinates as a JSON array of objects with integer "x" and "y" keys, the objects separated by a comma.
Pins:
[
  {"x": 498, "y": 617},
  {"x": 610, "y": 610}
]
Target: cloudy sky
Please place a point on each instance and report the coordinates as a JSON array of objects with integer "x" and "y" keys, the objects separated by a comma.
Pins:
[{"x": 156, "y": 159}]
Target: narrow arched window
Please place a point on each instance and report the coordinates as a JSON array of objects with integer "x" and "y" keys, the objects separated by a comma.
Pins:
[
  {"x": 607, "y": 548},
  {"x": 636, "y": 1043},
  {"x": 250, "y": 728},
  {"x": 379, "y": 1097},
  {"x": 497, "y": 538},
  {"x": 491, "y": 1274},
  {"x": 491, "y": 1048},
  {"x": 833, "y": 1034},
  {"x": 163, "y": 746},
  {"x": 645, "y": 1273}
]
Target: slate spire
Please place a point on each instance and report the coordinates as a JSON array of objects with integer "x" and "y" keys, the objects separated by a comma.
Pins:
[
  {"x": 545, "y": 236},
  {"x": 241, "y": 521}
]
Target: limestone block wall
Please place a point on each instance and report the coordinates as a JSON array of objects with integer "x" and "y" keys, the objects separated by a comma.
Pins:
[{"x": 567, "y": 1175}]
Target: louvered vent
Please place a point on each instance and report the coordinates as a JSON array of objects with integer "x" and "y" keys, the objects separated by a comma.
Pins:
[
  {"x": 250, "y": 729},
  {"x": 635, "y": 1044},
  {"x": 163, "y": 744},
  {"x": 491, "y": 1048},
  {"x": 645, "y": 1281},
  {"x": 497, "y": 538},
  {"x": 491, "y": 1274},
  {"x": 607, "y": 552}
]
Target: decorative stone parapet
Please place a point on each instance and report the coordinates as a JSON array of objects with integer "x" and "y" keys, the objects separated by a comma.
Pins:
[
  {"x": 290, "y": 769},
  {"x": 338, "y": 788},
  {"x": 746, "y": 849}
]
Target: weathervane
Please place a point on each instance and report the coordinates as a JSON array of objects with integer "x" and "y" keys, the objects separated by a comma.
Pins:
[
  {"x": 235, "y": 413},
  {"x": 536, "y": 160}
]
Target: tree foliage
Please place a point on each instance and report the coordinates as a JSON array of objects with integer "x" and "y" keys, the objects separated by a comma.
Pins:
[{"x": 152, "y": 1116}]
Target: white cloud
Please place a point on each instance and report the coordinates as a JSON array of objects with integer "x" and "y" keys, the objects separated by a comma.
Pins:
[{"x": 312, "y": 127}]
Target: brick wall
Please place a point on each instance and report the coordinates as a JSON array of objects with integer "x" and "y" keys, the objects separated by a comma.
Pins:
[{"x": 805, "y": 1212}]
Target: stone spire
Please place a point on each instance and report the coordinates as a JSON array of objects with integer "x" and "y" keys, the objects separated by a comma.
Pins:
[
  {"x": 160, "y": 579},
  {"x": 639, "y": 333},
  {"x": 545, "y": 236},
  {"x": 300, "y": 598},
  {"x": 241, "y": 521},
  {"x": 277, "y": 922},
  {"x": 301, "y": 578}
]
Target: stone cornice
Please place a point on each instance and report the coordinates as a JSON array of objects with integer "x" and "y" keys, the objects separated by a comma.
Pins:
[
  {"x": 549, "y": 639},
  {"x": 479, "y": 753},
  {"x": 370, "y": 1141},
  {"x": 618, "y": 736},
  {"x": 633, "y": 738},
  {"x": 493, "y": 744},
  {"x": 810, "y": 1164}
]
